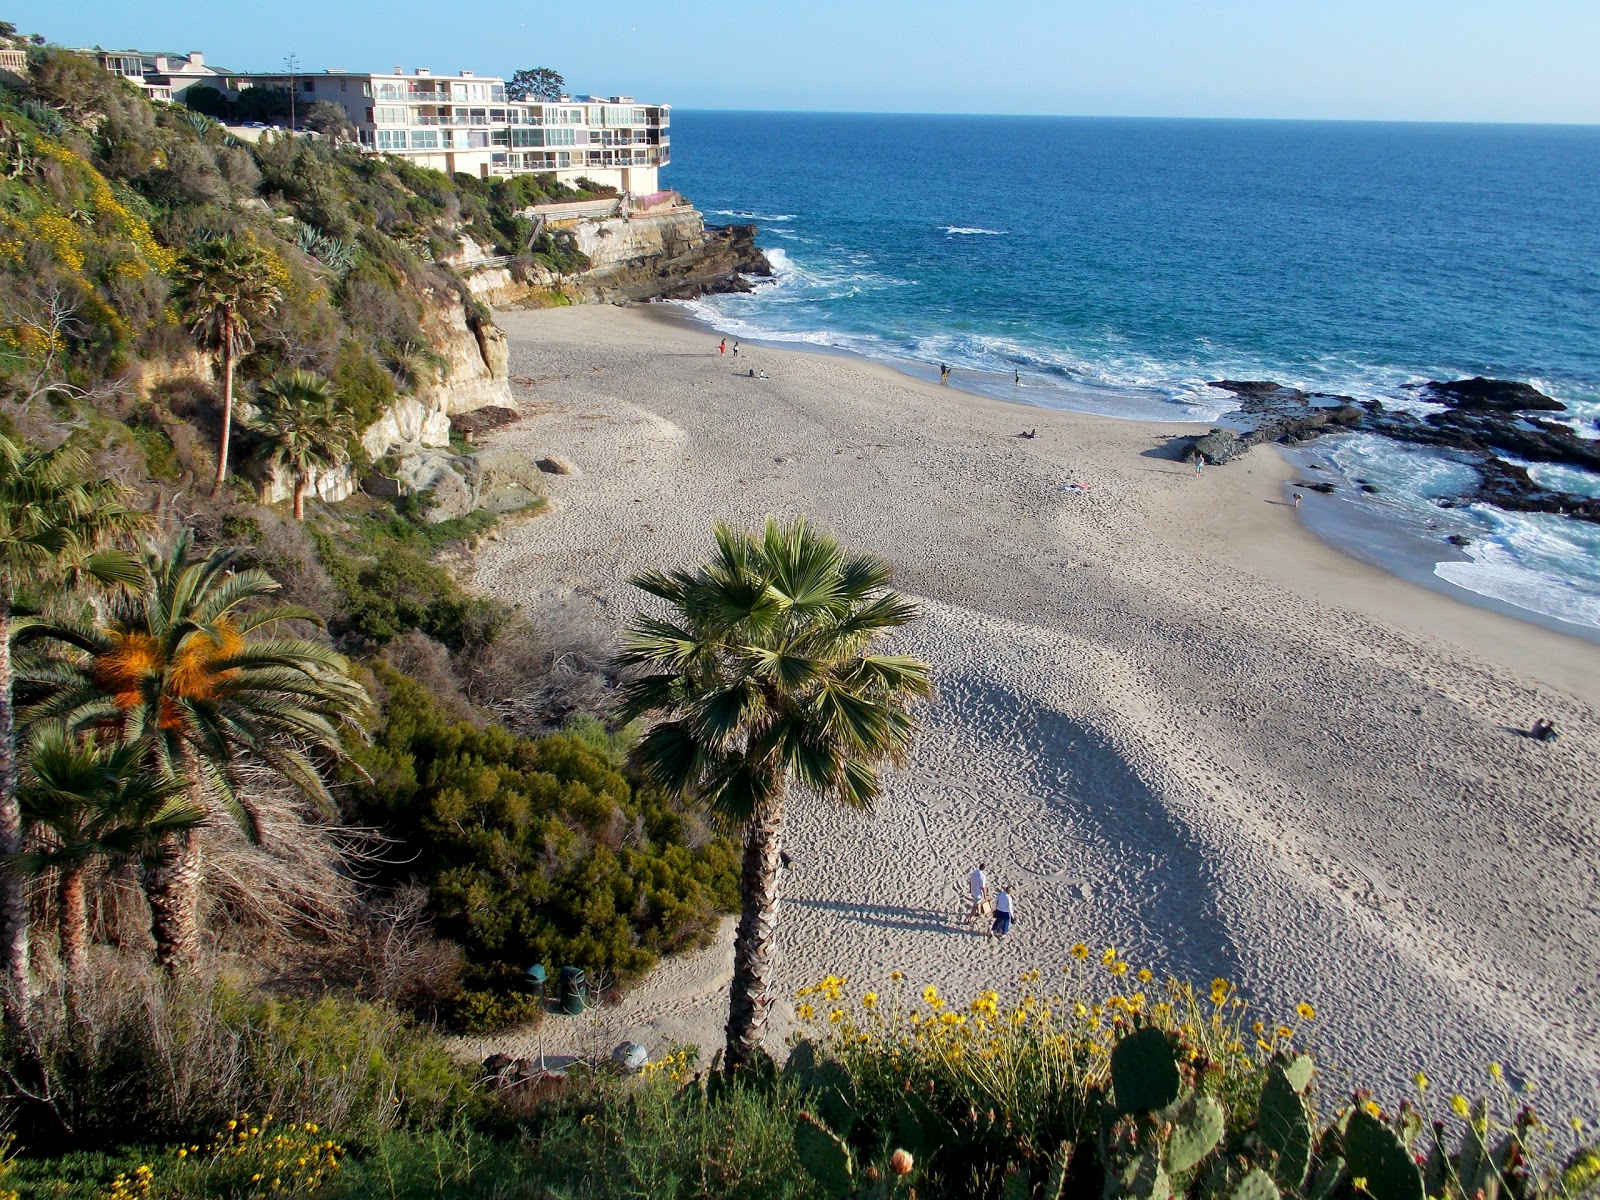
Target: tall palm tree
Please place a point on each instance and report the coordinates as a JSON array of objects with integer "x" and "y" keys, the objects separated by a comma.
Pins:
[
  {"x": 179, "y": 670},
  {"x": 56, "y": 523},
  {"x": 307, "y": 432},
  {"x": 762, "y": 678},
  {"x": 225, "y": 285},
  {"x": 88, "y": 802}
]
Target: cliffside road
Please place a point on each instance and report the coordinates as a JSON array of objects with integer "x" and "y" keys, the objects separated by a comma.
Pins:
[{"x": 1169, "y": 718}]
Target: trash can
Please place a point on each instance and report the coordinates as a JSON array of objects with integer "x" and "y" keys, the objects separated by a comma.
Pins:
[
  {"x": 574, "y": 991},
  {"x": 536, "y": 977}
]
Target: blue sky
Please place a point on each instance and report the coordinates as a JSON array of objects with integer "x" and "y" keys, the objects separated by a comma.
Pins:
[{"x": 1472, "y": 60}]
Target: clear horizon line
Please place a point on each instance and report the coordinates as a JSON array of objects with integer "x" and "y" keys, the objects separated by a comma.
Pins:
[{"x": 897, "y": 112}]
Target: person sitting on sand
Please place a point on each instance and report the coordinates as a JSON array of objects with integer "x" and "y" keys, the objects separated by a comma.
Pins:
[
  {"x": 1543, "y": 731},
  {"x": 1297, "y": 499},
  {"x": 978, "y": 885},
  {"x": 763, "y": 375},
  {"x": 1002, "y": 913}
]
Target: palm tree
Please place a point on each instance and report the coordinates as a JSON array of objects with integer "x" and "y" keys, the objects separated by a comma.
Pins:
[
  {"x": 55, "y": 524},
  {"x": 762, "y": 678},
  {"x": 224, "y": 285},
  {"x": 178, "y": 670},
  {"x": 308, "y": 433},
  {"x": 87, "y": 802}
]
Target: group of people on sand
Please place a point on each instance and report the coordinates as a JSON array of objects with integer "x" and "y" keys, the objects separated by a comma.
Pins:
[
  {"x": 722, "y": 349},
  {"x": 996, "y": 904}
]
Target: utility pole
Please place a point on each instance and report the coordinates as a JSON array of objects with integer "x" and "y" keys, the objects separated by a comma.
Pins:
[{"x": 291, "y": 64}]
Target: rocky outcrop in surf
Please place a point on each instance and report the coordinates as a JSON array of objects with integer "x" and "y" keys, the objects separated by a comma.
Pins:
[{"x": 1485, "y": 421}]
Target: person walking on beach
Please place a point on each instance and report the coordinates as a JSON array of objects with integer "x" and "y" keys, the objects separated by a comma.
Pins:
[
  {"x": 1199, "y": 464},
  {"x": 1297, "y": 499},
  {"x": 944, "y": 373},
  {"x": 1002, "y": 913},
  {"x": 978, "y": 885},
  {"x": 722, "y": 347},
  {"x": 1016, "y": 378},
  {"x": 736, "y": 349}
]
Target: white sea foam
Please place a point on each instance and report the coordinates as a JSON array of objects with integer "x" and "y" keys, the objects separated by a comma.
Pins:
[
  {"x": 746, "y": 215},
  {"x": 953, "y": 230},
  {"x": 1545, "y": 564}
]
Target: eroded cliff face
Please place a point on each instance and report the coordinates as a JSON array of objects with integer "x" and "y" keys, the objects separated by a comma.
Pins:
[
  {"x": 666, "y": 256},
  {"x": 473, "y": 375}
]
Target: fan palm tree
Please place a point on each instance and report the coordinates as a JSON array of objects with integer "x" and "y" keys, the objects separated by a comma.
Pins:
[
  {"x": 225, "y": 285},
  {"x": 762, "y": 678},
  {"x": 54, "y": 527},
  {"x": 87, "y": 802},
  {"x": 307, "y": 432},
  {"x": 179, "y": 670}
]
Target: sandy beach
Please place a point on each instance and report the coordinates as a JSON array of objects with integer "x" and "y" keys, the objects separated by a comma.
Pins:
[{"x": 1168, "y": 717}]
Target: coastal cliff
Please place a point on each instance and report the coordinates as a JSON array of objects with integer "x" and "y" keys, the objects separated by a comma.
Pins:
[{"x": 667, "y": 256}]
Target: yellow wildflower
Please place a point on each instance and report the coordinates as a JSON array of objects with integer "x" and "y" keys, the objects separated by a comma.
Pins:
[{"x": 1307, "y": 1013}]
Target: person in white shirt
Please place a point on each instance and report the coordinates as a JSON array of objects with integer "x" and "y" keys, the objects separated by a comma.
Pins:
[
  {"x": 978, "y": 885},
  {"x": 1002, "y": 913}
]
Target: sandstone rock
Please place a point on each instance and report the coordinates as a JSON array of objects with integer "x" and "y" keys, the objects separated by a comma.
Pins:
[
  {"x": 555, "y": 464},
  {"x": 408, "y": 426},
  {"x": 509, "y": 481}
]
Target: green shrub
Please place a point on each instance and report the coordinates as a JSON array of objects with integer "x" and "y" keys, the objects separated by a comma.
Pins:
[{"x": 538, "y": 851}]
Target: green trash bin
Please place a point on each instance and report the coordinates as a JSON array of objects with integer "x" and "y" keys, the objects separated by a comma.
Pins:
[
  {"x": 536, "y": 979},
  {"x": 574, "y": 991}
]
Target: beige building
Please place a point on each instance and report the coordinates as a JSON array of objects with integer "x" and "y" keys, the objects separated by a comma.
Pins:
[
  {"x": 159, "y": 76},
  {"x": 464, "y": 123}
]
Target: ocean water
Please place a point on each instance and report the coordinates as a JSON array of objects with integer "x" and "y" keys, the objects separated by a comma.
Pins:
[{"x": 1117, "y": 265}]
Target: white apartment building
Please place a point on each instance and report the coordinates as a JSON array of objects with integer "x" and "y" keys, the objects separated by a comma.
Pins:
[{"x": 464, "y": 123}]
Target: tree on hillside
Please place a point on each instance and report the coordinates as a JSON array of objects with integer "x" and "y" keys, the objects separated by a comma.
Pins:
[
  {"x": 330, "y": 120},
  {"x": 56, "y": 523},
  {"x": 88, "y": 803},
  {"x": 224, "y": 286},
  {"x": 180, "y": 669},
  {"x": 763, "y": 679},
  {"x": 306, "y": 432},
  {"x": 535, "y": 83}
]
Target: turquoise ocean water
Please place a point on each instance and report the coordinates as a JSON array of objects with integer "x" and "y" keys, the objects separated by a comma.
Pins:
[{"x": 1119, "y": 264}]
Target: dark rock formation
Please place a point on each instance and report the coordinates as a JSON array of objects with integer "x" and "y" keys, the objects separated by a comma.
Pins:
[
  {"x": 1271, "y": 412},
  {"x": 1485, "y": 423},
  {"x": 1491, "y": 395},
  {"x": 728, "y": 257},
  {"x": 677, "y": 264}
]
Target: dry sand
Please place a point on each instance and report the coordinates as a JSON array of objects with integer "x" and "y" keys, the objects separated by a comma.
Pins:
[{"x": 1168, "y": 717}]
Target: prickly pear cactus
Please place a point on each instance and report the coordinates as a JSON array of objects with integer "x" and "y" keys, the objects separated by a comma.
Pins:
[
  {"x": 1375, "y": 1153},
  {"x": 824, "y": 1156},
  {"x": 1144, "y": 1072},
  {"x": 1257, "y": 1185},
  {"x": 1283, "y": 1124},
  {"x": 1139, "y": 1178},
  {"x": 1198, "y": 1131}
]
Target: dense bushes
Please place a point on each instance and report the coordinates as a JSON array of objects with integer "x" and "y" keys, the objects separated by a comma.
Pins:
[
  {"x": 537, "y": 851},
  {"x": 145, "y": 1057}
]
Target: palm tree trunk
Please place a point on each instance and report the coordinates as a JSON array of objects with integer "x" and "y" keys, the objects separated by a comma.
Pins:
[
  {"x": 74, "y": 927},
  {"x": 173, "y": 890},
  {"x": 756, "y": 943},
  {"x": 299, "y": 497},
  {"x": 227, "y": 409},
  {"x": 13, "y": 883}
]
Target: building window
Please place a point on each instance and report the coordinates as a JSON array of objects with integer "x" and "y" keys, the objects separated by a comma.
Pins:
[
  {"x": 424, "y": 139},
  {"x": 564, "y": 159},
  {"x": 391, "y": 114},
  {"x": 500, "y": 137},
  {"x": 391, "y": 139}
]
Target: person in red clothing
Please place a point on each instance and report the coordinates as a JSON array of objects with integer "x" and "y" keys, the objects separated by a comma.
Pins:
[{"x": 722, "y": 347}]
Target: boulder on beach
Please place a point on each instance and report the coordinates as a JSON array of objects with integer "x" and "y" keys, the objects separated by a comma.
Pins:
[{"x": 555, "y": 464}]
